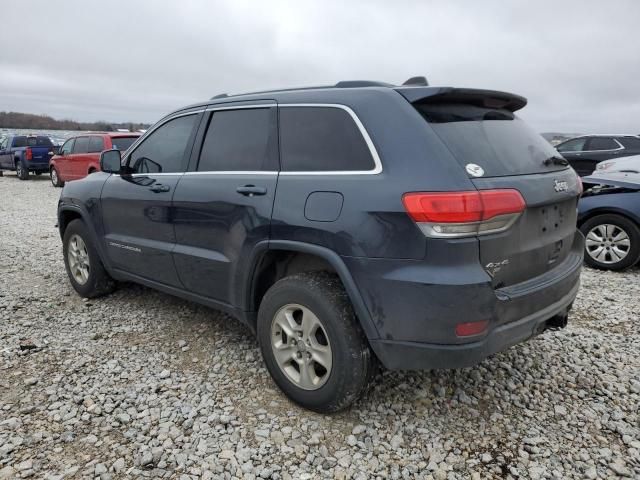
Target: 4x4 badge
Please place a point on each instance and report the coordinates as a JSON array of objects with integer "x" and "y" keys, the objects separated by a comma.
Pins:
[{"x": 560, "y": 186}]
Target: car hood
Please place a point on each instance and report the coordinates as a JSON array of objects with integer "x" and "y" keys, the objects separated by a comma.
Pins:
[{"x": 615, "y": 179}]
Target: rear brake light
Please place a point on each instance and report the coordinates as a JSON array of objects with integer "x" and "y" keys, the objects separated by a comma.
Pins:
[
  {"x": 459, "y": 214},
  {"x": 28, "y": 153}
]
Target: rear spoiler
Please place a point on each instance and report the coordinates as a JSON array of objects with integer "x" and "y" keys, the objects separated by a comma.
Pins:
[{"x": 480, "y": 98}]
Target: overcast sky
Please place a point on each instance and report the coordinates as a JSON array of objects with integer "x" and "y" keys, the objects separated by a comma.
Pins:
[{"x": 577, "y": 62}]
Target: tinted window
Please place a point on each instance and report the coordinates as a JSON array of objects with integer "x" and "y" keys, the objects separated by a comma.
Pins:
[
  {"x": 321, "y": 139},
  {"x": 122, "y": 143},
  {"x": 19, "y": 142},
  {"x": 3, "y": 143},
  {"x": 240, "y": 140},
  {"x": 67, "y": 147},
  {"x": 164, "y": 149},
  {"x": 575, "y": 145},
  {"x": 630, "y": 142},
  {"x": 493, "y": 138},
  {"x": 81, "y": 145},
  {"x": 96, "y": 144},
  {"x": 602, "y": 143}
]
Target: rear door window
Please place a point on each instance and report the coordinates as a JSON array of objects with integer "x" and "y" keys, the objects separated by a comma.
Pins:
[
  {"x": 602, "y": 143},
  {"x": 163, "y": 151},
  {"x": 19, "y": 142},
  {"x": 122, "y": 143},
  {"x": 493, "y": 138},
  {"x": 575, "y": 145},
  {"x": 322, "y": 139},
  {"x": 81, "y": 145},
  {"x": 96, "y": 144},
  {"x": 240, "y": 140}
]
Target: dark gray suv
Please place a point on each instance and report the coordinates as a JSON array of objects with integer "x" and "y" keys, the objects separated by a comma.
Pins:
[{"x": 349, "y": 226}]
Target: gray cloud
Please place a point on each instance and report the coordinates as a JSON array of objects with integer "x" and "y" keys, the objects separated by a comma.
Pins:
[{"x": 576, "y": 61}]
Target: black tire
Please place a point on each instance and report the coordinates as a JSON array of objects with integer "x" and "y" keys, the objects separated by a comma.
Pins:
[
  {"x": 55, "y": 178},
  {"x": 98, "y": 282},
  {"x": 38, "y": 173},
  {"x": 355, "y": 365},
  {"x": 21, "y": 172},
  {"x": 622, "y": 224}
]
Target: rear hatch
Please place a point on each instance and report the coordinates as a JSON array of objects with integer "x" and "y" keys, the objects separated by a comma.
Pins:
[{"x": 497, "y": 150}]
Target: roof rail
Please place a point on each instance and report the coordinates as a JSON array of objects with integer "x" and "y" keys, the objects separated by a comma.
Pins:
[{"x": 361, "y": 83}]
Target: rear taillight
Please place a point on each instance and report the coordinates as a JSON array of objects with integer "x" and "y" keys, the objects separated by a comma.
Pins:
[
  {"x": 28, "y": 153},
  {"x": 460, "y": 214}
]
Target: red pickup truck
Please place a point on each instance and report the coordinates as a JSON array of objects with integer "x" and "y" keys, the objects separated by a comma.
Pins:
[{"x": 80, "y": 156}]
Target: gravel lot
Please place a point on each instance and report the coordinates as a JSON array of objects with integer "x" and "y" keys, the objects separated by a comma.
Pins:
[{"x": 141, "y": 384}]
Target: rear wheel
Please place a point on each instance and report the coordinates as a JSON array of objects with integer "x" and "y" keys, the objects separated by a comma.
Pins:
[
  {"x": 612, "y": 242},
  {"x": 84, "y": 268},
  {"x": 312, "y": 343},
  {"x": 21, "y": 171},
  {"x": 55, "y": 178}
]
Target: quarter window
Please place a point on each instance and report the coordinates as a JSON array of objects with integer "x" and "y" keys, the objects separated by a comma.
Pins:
[
  {"x": 575, "y": 145},
  {"x": 96, "y": 144},
  {"x": 321, "y": 139},
  {"x": 81, "y": 145},
  {"x": 240, "y": 140},
  {"x": 163, "y": 151},
  {"x": 602, "y": 143},
  {"x": 630, "y": 142},
  {"x": 67, "y": 147}
]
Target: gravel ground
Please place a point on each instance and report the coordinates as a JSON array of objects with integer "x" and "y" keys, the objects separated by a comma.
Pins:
[{"x": 141, "y": 384}]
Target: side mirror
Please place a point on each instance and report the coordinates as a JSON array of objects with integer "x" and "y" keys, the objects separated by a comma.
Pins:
[{"x": 110, "y": 161}]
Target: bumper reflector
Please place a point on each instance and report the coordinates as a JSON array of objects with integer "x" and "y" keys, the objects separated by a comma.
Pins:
[{"x": 470, "y": 329}]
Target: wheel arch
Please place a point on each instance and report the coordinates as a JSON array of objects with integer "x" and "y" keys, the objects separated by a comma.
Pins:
[
  {"x": 608, "y": 211},
  {"x": 272, "y": 260},
  {"x": 68, "y": 213}
]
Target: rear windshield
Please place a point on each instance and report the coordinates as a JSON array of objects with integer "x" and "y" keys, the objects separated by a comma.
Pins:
[
  {"x": 122, "y": 143},
  {"x": 40, "y": 141},
  {"x": 493, "y": 138}
]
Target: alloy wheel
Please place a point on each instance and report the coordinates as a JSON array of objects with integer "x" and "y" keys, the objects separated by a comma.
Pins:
[
  {"x": 301, "y": 347},
  {"x": 608, "y": 243},
  {"x": 78, "y": 257}
]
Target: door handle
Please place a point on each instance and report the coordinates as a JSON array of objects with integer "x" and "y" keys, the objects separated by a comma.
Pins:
[
  {"x": 251, "y": 190},
  {"x": 160, "y": 188}
]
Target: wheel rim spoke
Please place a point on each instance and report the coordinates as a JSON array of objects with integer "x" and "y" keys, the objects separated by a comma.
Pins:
[{"x": 78, "y": 257}]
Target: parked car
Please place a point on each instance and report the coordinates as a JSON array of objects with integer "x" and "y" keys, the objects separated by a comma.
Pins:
[
  {"x": 25, "y": 153},
  {"x": 419, "y": 227},
  {"x": 609, "y": 218},
  {"x": 80, "y": 156},
  {"x": 583, "y": 153},
  {"x": 624, "y": 164}
]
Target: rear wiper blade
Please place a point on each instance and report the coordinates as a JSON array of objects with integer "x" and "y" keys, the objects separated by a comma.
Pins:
[{"x": 555, "y": 160}]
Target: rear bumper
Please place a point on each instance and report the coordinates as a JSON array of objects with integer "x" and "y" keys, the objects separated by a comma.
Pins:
[
  {"x": 421, "y": 356},
  {"x": 42, "y": 165},
  {"x": 416, "y": 306}
]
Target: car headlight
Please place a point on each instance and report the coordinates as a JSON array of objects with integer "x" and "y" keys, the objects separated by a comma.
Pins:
[{"x": 604, "y": 165}]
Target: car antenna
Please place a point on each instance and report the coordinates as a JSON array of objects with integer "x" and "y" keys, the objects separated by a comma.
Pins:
[{"x": 420, "y": 81}]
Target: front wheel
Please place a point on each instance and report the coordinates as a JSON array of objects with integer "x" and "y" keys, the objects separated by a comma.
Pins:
[
  {"x": 21, "y": 171},
  {"x": 612, "y": 242},
  {"x": 81, "y": 260},
  {"x": 55, "y": 178},
  {"x": 312, "y": 343}
]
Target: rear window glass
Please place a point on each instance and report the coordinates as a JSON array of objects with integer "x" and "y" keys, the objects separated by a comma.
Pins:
[
  {"x": 321, "y": 139},
  {"x": 630, "y": 142},
  {"x": 493, "y": 138},
  {"x": 96, "y": 144},
  {"x": 40, "y": 141},
  {"x": 602, "y": 143},
  {"x": 122, "y": 143}
]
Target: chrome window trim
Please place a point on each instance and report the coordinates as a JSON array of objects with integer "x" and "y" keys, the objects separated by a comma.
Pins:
[
  {"x": 236, "y": 172},
  {"x": 363, "y": 131},
  {"x": 215, "y": 108},
  {"x": 129, "y": 151}
]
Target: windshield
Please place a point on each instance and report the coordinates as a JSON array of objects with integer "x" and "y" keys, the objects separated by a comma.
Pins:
[
  {"x": 122, "y": 143},
  {"x": 493, "y": 138}
]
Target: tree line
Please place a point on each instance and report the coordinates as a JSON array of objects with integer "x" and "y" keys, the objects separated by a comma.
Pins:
[{"x": 44, "y": 122}]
